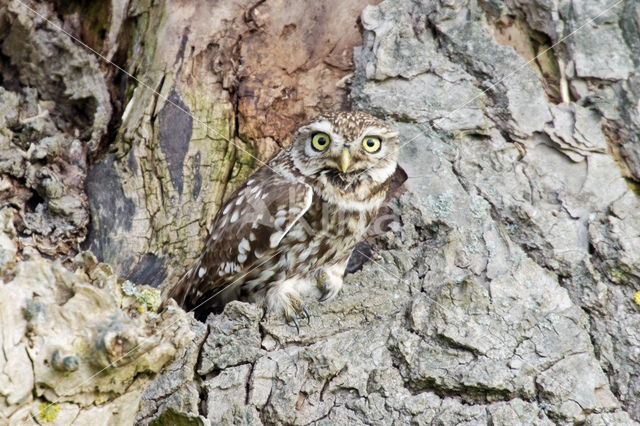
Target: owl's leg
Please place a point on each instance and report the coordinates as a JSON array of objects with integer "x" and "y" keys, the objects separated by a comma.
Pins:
[
  {"x": 330, "y": 280},
  {"x": 284, "y": 297}
]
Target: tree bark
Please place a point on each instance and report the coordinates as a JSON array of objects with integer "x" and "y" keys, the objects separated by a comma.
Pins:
[{"x": 501, "y": 292}]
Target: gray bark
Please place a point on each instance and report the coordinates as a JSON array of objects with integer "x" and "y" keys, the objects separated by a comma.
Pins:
[{"x": 504, "y": 292}]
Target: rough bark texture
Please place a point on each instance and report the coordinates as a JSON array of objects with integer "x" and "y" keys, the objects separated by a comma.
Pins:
[
  {"x": 503, "y": 292},
  {"x": 77, "y": 347},
  {"x": 54, "y": 112}
]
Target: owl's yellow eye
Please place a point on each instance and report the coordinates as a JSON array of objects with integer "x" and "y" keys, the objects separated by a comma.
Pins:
[
  {"x": 320, "y": 141},
  {"x": 371, "y": 144}
]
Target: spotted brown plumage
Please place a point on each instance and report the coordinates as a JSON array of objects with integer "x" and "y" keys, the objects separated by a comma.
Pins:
[{"x": 289, "y": 230}]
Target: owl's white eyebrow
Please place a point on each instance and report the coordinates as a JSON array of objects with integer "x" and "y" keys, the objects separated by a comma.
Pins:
[
  {"x": 378, "y": 131},
  {"x": 321, "y": 126}
]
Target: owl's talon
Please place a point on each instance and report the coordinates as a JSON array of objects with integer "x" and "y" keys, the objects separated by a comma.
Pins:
[
  {"x": 306, "y": 313},
  {"x": 291, "y": 306},
  {"x": 325, "y": 295},
  {"x": 296, "y": 323},
  {"x": 323, "y": 279}
]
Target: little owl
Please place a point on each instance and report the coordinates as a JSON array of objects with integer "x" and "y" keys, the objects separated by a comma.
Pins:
[{"x": 289, "y": 230}]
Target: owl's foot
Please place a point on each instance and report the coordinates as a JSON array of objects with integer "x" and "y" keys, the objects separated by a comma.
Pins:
[
  {"x": 294, "y": 318},
  {"x": 329, "y": 284},
  {"x": 288, "y": 302}
]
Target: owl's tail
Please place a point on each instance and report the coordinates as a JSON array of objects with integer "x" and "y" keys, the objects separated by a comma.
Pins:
[
  {"x": 186, "y": 295},
  {"x": 177, "y": 292}
]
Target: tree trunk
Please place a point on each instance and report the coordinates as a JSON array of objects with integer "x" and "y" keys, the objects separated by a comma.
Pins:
[{"x": 501, "y": 292}]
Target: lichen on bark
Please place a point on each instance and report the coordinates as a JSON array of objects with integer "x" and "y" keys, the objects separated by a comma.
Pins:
[{"x": 75, "y": 345}]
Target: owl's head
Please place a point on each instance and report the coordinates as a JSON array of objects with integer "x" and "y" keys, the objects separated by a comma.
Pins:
[{"x": 347, "y": 154}]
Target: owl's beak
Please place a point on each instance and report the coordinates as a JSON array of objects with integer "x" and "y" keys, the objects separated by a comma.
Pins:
[{"x": 345, "y": 160}]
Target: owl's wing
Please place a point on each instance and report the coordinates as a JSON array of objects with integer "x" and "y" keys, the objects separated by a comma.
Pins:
[{"x": 245, "y": 234}]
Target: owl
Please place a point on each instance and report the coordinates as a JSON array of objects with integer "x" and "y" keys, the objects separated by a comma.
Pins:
[{"x": 288, "y": 232}]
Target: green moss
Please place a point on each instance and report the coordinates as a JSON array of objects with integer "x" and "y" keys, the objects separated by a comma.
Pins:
[
  {"x": 245, "y": 163},
  {"x": 616, "y": 272},
  {"x": 151, "y": 299},
  {"x": 547, "y": 64},
  {"x": 148, "y": 298},
  {"x": 49, "y": 412},
  {"x": 633, "y": 185}
]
